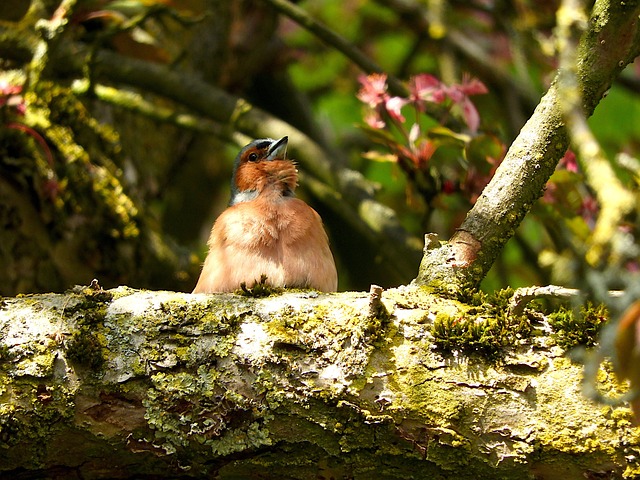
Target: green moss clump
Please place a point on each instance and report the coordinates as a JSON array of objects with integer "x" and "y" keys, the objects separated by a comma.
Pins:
[
  {"x": 260, "y": 289},
  {"x": 484, "y": 328},
  {"x": 471, "y": 334},
  {"x": 571, "y": 328},
  {"x": 85, "y": 348},
  {"x": 86, "y": 345},
  {"x": 472, "y": 296}
]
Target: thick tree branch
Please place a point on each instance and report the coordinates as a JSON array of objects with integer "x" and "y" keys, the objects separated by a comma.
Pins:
[
  {"x": 126, "y": 383},
  {"x": 532, "y": 158}
]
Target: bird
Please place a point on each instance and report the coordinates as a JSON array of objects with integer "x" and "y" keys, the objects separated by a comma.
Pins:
[{"x": 266, "y": 234}]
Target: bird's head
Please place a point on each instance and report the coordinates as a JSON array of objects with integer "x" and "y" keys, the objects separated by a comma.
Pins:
[{"x": 261, "y": 165}]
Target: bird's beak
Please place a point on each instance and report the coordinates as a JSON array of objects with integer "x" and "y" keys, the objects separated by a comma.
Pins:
[{"x": 278, "y": 149}]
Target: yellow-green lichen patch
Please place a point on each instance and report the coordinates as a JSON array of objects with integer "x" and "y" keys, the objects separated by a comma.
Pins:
[
  {"x": 156, "y": 331},
  {"x": 490, "y": 410},
  {"x": 182, "y": 408},
  {"x": 421, "y": 390},
  {"x": 30, "y": 412},
  {"x": 38, "y": 365},
  {"x": 328, "y": 346},
  {"x": 561, "y": 408}
]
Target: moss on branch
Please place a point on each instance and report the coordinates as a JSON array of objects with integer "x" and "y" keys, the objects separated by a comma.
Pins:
[{"x": 295, "y": 384}]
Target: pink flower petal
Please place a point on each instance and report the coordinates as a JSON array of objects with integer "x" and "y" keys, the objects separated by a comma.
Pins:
[
  {"x": 373, "y": 120},
  {"x": 471, "y": 115},
  {"x": 472, "y": 86},
  {"x": 426, "y": 87},
  {"x": 374, "y": 89},
  {"x": 394, "y": 106}
]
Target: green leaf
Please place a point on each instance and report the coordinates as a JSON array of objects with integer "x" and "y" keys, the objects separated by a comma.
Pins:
[
  {"x": 446, "y": 136},
  {"x": 379, "y": 135},
  {"x": 379, "y": 157}
]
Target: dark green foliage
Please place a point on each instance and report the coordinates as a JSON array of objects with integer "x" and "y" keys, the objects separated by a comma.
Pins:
[{"x": 571, "y": 328}]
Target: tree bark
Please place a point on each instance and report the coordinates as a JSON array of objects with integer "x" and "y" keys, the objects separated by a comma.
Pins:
[{"x": 125, "y": 383}]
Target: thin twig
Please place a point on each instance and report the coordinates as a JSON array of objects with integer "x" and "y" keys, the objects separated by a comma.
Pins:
[
  {"x": 523, "y": 296},
  {"x": 333, "y": 39}
]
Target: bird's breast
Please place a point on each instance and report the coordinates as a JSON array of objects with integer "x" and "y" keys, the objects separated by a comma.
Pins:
[
  {"x": 267, "y": 223},
  {"x": 282, "y": 238}
]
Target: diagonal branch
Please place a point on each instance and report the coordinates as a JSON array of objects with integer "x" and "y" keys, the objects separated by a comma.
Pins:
[
  {"x": 338, "y": 42},
  {"x": 611, "y": 42}
]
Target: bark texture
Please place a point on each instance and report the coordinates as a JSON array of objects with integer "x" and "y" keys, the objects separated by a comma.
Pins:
[{"x": 125, "y": 384}]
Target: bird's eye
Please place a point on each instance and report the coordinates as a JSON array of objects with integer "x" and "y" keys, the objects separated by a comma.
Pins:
[{"x": 253, "y": 157}]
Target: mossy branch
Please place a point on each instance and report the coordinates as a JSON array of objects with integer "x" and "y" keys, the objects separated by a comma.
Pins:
[
  {"x": 135, "y": 102},
  {"x": 125, "y": 383}
]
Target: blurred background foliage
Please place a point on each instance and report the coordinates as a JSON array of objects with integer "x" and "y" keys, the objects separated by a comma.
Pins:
[{"x": 92, "y": 186}]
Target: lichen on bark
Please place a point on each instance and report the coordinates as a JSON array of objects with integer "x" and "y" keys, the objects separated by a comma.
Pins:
[{"x": 296, "y": 384}]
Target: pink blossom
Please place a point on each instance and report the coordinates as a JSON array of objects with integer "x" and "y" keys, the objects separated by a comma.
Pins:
[
  {"x": 589, "y": 210},
  {"x": 459, "y": 95},
  {"x": 374, "y": 89},
  {"x": 632, "y": 266},
  {"x": 471, "y": 115},
  {"x": 569, "y": 162},
  {"x": 426, "y": 87},
  {"x": 9, "y": 89},
  {"x": 394, "y": 106},
  {"x": 373, "y": 120},
  {"x": 472, "y": 86},
  {"x": 9, "y": 95},
  {"x": 454, "y": 93}
]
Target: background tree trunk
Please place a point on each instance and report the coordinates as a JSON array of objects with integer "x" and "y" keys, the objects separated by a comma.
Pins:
[{"x": 125, "y": 383}]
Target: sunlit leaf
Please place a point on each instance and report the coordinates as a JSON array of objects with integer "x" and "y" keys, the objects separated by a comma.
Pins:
[
  {"x": 379, "y": 157},
  {"x": 579, "y": 227},
  {"x": 379, "y": 135},
  {"x": 446, "y": 136}
]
